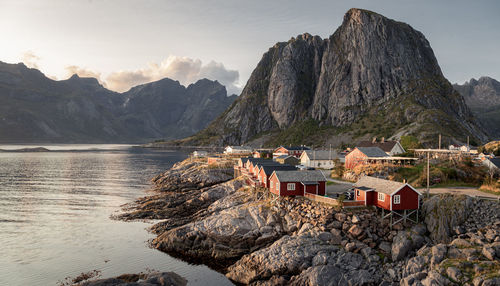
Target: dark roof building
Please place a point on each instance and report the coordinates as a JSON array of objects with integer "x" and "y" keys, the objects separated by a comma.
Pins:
[
  {"x": 372, "y": 151},
  {"x": 389, "y": 147}
]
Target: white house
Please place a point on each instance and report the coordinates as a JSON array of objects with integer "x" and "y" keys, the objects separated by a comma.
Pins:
[
  {"x": 238, "y": 150},
  {"x": 199, "y": 153},
  {"x": 324, "y": 159}
]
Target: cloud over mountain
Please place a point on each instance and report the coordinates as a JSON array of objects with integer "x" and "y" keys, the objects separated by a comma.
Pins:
[
  {"x": 185, "y": 70},
  {"x": 30, "y": 59}
]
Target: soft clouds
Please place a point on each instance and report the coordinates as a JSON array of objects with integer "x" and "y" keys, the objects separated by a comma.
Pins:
[
  {"x": 183, "y": 69},
  {"x": 30, "y": 59},
  {"x": 83, "y": 72}
]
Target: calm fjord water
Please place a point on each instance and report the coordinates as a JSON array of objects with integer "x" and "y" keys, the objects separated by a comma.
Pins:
[{"x": 55, "y": 212}]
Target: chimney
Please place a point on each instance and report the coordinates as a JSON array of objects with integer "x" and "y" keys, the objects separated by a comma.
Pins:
[
  {"x": 374, "y": 139},
  {"x": 383, "y": 140}
]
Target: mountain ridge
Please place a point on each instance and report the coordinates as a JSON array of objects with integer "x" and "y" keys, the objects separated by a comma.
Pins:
[
  {"x": 483, "y": 98},
  {"x": 370, "y": 65},
  {"x": 38, "y": 109}
]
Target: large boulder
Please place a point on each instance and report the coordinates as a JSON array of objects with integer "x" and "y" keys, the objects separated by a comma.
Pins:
[
  {"x": 288, "y": 255},
  {"x": 444, "y": 212}
]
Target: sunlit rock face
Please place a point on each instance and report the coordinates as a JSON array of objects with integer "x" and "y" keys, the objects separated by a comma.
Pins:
[{"x": 370, "y": 63}]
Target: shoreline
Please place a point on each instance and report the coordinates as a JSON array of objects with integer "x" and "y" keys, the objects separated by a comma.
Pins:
[{"x": 208, "y": 217}]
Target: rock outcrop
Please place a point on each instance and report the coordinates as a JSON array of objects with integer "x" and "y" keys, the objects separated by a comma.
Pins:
[
  {"x": 257, "y": 239},
  {"x": 445, "y": 212},
  {"x": 152, "y": 279},
  {"x": 373, "y": 71},
  {"x": 38, "y": 109}
]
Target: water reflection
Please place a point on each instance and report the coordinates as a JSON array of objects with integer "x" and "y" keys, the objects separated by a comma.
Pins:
[{"x": 55, "y": 208}]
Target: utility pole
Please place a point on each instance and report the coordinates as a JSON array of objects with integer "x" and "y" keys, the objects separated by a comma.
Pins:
[
  {"x": 439, "y": 141},
  {"x": 428, "y": 174},
  {"x": 468, "y": 146}
]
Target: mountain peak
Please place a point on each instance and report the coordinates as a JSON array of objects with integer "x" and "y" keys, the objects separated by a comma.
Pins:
[{"x": 370, "y": 65}]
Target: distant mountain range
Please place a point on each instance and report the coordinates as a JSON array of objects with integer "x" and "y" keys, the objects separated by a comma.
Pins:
[
  {"x": 483, "y": 98},
  {"x": 34, "y": 108},
  {"x": 373, "y": 77}
]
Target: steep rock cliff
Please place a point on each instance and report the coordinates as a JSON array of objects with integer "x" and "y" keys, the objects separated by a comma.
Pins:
[{"x": 372, "y": 69}]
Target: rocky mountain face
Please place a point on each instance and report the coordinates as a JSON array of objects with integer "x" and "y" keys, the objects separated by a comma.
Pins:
[
  {"x": 483, "y": 98},
  {"x": 373, "y": 76},
  {"x": 35, "y": 108}
]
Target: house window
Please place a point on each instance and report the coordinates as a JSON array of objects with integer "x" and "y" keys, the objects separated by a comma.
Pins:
[
  {"x": 290, "y": 186},
  {"x": 358, "y": 193},
  {"x": 277, "y": 186},
  {"x": 397, "y": 199},
  {"x": 381, "y": 197}
]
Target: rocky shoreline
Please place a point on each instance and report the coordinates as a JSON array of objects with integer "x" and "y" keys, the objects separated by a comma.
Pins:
[{"x": 208, "y": 217}]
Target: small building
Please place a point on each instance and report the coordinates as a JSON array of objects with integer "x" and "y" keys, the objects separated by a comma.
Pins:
[
  {"x": 324, "y": 159},
  {"x": 199, "y": 154},
  {"x": 295, "y": 151},
  {"x": 361, "y": 156},
  {"x": 385, "y": 194},
  {"x": 238, "y": 150},
  {"x": 391, "y": 148},
  {"x": 287, "y": 159},
  {"x": 266, "y": 171},
  {"x": 296, "y": 183}
]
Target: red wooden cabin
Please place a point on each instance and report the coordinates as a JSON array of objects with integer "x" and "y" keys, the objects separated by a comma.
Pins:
[
  {"x": 389, "y": 195},
  {"x": 296, "y": 183},
  {"x": 267, "y": 170}
]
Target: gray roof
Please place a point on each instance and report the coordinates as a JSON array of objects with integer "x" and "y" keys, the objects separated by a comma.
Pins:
[
  {"x": 386, "y": 146},
  {"x": 269, "y": 169},
  {"x": 378, "y": 185},
  {"x": 372, "y": 151},
  {"x": 295, "y": 148},
  {"x": 268, "y": 163},
  {"x": 322, "y": 154},
  {"x": 284, "y": 156},
  {"x": 300, "y": 176}
]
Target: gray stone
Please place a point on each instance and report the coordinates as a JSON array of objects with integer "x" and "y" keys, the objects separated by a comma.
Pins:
[
  {"x": 385, "y": 247},
  {"x": 454, "y": 273},
  {"x": 400, "y": 246},
  {"x": 355, "y": 219},
  {"x": 438, "y": 253},
  {"x": 356, "y": 230},
  {"x": 341, "y": 217},
  {"x": 325, "y": 236},
  {"x": 489, "y": 253},
  {"x": 327, "y": 275}
]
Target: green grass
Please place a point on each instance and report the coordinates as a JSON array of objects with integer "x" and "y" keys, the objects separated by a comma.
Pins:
[{"x": 328, "y": 183}]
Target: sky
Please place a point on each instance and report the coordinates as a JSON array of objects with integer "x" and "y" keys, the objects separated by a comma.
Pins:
[{"x": 128, "y": 42}]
